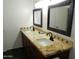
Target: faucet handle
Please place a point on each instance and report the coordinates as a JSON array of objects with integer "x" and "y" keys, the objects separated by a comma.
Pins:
[{"x": 49, "y": 33}]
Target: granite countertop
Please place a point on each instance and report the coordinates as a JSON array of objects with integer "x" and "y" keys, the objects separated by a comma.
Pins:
[{"x": 54, "y": 46}]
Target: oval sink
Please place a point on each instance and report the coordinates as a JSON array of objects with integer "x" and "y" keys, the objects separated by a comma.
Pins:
[{"x": 44, "y": 42}]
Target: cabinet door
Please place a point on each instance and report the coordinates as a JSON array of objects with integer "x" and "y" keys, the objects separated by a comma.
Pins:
[
  {"x": 35, "y": 52},
  {"x": 25, "y": 44},
  {"x": 23, "y": 40}
]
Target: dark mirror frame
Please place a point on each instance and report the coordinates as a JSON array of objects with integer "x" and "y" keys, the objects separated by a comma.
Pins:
[
  {"x": 69, "y": 21},
  {"x": 40, "y": 18}
]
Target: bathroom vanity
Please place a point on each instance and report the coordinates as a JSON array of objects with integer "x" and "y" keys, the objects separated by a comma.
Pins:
[
  {"x": 42, "y": 44},
  {"x": 39, "y": 46}
]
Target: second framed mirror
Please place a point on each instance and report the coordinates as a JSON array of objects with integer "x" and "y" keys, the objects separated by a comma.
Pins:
[{"x": 37, "y": 17}]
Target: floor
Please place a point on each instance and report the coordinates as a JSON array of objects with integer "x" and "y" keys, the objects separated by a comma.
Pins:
[{"x": 18, "y": 53}]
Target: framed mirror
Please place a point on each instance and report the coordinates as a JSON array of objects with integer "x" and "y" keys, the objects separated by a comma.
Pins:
[
  {"x": 37, "y": 17},
  {"x": 60, "y": 18}
]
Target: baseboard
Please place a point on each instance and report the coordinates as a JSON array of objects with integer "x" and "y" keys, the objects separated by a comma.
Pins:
[{"x": 13, "y": 49}]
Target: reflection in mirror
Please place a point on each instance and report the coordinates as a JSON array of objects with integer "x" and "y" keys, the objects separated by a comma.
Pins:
[
  {"x": 60, "y": 18},
  {"x": 37, "y": 17}
]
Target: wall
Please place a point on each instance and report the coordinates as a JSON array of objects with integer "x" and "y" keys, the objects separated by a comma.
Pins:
[
  {"x": 16, "y": 13},
  {"x": 44, "y": 5},
  {"x": 72, "y": 53}
]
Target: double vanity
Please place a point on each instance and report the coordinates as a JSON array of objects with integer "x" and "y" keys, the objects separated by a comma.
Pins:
[
  {"x": 38, "y": 45},
  {"x": 48, "y": 44}
]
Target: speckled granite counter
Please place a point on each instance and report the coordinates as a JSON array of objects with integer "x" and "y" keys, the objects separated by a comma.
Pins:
[{"x": 55, "y": 46}]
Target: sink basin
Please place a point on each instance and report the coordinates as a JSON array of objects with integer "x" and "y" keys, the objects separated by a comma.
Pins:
[
  {"x": 44, "y": 42},
  {"x": 32, "y": 32}
]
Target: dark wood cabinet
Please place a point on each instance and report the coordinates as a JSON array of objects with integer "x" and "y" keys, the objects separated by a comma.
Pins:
[{"x": 32, "y": 52}]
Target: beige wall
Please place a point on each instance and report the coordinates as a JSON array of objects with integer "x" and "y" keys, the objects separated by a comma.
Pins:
[
  {"x": 16, "y": 13},
  {"x": 72, "y": 53}
]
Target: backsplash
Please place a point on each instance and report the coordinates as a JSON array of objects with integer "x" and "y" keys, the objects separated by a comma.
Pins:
[{"x": 55, "y": 35}]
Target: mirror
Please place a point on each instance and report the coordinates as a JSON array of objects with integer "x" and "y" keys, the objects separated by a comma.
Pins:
[
  {"x": 37, "y": 17},
  {"x": 60, "y": 18}
]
